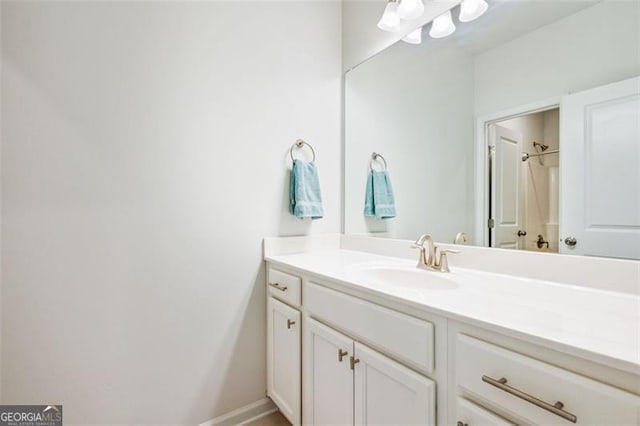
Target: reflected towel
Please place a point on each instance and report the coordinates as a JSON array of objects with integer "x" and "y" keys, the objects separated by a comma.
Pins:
[
  {"x": 305, "y": 200},
  {"x": 379, "y": 201}
]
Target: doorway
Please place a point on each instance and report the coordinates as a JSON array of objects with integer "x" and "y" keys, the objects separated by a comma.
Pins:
[{"x": 524, "y": 181}]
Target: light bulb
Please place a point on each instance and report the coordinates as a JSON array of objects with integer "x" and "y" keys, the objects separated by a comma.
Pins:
[
  {"x": 472, "y": 9},
  {"x": 390, "y": 20},
  {"x": 410, "y": 9},
  {"x": 414, "y": 37},
  {"x": 442, "y": 26}
]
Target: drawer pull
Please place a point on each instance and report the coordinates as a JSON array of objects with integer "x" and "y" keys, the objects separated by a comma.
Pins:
[
  {"x": 553, "y": 408},
  {"x": 342, "y": 354},
  {"x": 277, "y": 285},
  {"x": 461, "y": 424},
  {"x": 290, "y": 323}
]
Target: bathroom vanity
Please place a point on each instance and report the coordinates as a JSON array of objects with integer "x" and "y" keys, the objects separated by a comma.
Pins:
[{"x": 358, "y": 335}]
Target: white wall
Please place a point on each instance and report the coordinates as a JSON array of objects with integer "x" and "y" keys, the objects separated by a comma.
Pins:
[
  {"x": 1, "y": 310},
  {"x": 415, "y": 109},
  {"x": 145, "y": 148},
  {"x": 569, "y": 55}
]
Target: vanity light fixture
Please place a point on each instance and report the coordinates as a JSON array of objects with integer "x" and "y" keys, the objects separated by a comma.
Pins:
[
  {"x": 442, "y": 26},
  {"x": 410, "y": 9},
  {"x": 390, "y": 20},
  {"x": 414, "y": 37},
  {"x": 472, "y": 9}
]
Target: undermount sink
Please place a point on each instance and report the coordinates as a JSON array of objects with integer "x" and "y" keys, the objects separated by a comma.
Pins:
[{"x": 410, "y": 277}]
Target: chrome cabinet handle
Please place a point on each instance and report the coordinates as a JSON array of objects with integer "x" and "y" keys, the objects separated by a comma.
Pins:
[
  {"x": 277, "y": 285},
  {"x": 570, "y": 241},
  {"x": 522, "y": 233},
  {"x": 353, "y": 361},
  {"x": 290, "y": 323},
  {"x": 556, "y": 408},
  {"x": 461, "y": 424},
  {"x": 342, "y": 354}
]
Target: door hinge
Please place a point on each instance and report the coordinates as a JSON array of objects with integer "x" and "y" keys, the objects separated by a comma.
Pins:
[
  {"x": 491, "y": 223},
  {"x": 492, "y": 150}
]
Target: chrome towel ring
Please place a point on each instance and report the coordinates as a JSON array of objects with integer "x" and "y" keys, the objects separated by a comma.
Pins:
[
  {"x": 374, "y": 157},
  {"x": 300, "y": 144}
]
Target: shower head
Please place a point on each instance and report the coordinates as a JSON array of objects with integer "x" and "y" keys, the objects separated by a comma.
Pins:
[{"x": 542, "y": 146}]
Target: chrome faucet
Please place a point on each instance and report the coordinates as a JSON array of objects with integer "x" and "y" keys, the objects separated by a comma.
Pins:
[
  {"x": 424, "y": 261},
  {"x": 429, "y": 261},
  {"x": 461, "y": 238}
]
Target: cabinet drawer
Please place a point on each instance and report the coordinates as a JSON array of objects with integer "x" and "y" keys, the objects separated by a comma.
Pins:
[
  {"x": 284, "y": 286},
  {"x": 406, "y": 338},
  {"x": 470, "y": 414},
  {"x": 538, "y": 392}
]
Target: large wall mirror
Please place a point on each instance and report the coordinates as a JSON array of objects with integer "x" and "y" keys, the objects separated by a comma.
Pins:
[{"x": 521, "y": 130}]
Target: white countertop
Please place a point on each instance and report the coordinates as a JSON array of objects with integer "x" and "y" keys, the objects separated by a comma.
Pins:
[{"x": 596, "y": 324}]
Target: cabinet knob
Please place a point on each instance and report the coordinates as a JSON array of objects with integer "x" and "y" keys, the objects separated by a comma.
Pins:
[
  {"x": 342, "y": 354},
  {"x": 570, "y": 241},
  {"x": 290, "y": 323},
  {"x": 522, "y": 233},
  {"x": 461, "y": 424}
]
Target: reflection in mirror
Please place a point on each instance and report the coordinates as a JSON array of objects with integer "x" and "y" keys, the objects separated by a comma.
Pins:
[
  {"x": 521, "y": 130},
  {"x": 524, "y": 197}
]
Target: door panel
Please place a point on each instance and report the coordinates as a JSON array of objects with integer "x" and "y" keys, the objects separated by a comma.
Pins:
[
  {"x": 506, "y": 187},
  {"x": 600, "y": 173},
  {"x": 387, "y": 393},
  {"x": 283, "y": 358},
  {"x": 328, "y": 382}
]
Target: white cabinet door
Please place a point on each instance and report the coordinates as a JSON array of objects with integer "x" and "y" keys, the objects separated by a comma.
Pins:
[
  {"x": 328, "y": 379},
  {"x": 387, "y": 393},
  {"x": 283, "y": 358},
  {"x": 600, "y": 171}
]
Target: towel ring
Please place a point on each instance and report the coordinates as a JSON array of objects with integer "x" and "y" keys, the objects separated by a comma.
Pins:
[
  {"x": 299, "y": 144},
  {"x": 374, "y": 157}
]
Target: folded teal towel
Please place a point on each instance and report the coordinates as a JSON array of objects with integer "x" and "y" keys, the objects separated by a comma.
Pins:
[
  {"x": 305, "y": 199},
  {"x": 379, "y": 201}
]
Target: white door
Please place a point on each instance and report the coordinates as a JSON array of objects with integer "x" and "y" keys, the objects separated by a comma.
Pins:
[
  {"x": 600, "y": 171},
  {"x": 283, "y": 358},
  {"x": 387, "y": 393},
  {"x": 328, "y": 378},
  {"x": 506, "y": 186}
]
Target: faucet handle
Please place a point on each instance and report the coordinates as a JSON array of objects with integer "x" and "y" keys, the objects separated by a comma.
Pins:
[
  {"x": 443, "y": 264},
  {"x": 449, "y": 251}
]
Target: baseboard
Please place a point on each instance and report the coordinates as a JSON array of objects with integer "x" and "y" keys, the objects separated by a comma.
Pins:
[{"x": 245, "y": 414}]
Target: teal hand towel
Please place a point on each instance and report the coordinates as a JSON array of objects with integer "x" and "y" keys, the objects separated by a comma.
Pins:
[
  {"x": 379, "y": 201},
  {"x": 305, "y": 199}
]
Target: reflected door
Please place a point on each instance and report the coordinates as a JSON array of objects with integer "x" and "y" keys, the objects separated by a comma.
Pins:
[
  {"x": 506, "y": 185},
  {"x": 599, "y": 174}
]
